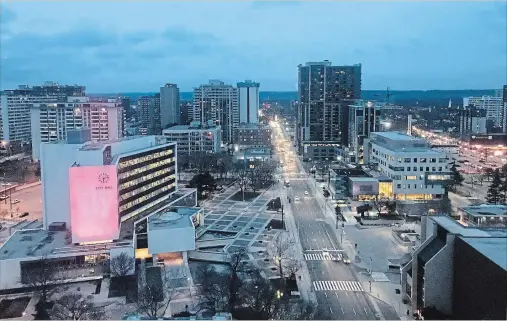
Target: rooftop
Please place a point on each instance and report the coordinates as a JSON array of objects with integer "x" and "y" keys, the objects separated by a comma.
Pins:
[
  {"x": 494, "y": 248},
  {"x": 36, "y": 242},
  {"x": 486, "y": 209},
  {"x": 190, "y": 127},
  {"x": 397, "y": 136},
  {"x": 102, "y": 144},
  {"x": 455, "y": 227},
  {"x": 180, "y": 217},
  {"x": 363, "y": 179}
]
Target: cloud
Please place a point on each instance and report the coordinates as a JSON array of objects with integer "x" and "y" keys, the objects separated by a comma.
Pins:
[{"x": 7, "y": 15}]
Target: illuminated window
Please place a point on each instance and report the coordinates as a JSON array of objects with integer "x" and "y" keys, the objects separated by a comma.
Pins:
[{"x": 411, "y": 178}]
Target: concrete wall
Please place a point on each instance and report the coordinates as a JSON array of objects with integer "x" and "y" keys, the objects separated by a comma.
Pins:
[
  {"x": 438, "y": 278},
  {"x": 10, "y": 274},
  {"x": 171, "y": 240}
]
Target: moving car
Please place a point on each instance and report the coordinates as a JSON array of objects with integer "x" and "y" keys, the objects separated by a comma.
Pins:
[
  {"x": 325, "y": 254},
  {"x": 306, "y": 192},
  {"x": 24, "y": 214},
  {"x": 16, "y": 201},
  {"x": 346, "y": 259},
  {"x": 296, "y": 198}
]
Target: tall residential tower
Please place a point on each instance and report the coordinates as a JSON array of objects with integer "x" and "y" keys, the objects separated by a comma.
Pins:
[
  {"x": 248, "y": 92},
  {"x": 169, "y": 105},
  {"x": 324, "y": 94}
]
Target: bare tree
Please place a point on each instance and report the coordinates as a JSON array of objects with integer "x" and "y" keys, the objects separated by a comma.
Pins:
[
  {"x": 75, "y": 306},
  {"x": 264, "y": 301},
  {"x": 182, "y": 163},
  {"x": 241, "y": 174},
  {"x": 154, "y": 295},
  {"x": 202, "y": 161},
  {"x": 224, "y": 164},
  {"x": 41, "y": 276},
  {"x": 214, "y": 291},
  {"x": 122, "y": 265},
  {"x": 281, "y": 249}
]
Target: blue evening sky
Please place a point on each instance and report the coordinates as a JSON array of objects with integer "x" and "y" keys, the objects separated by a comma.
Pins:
[{"x": 124, "y": 46}]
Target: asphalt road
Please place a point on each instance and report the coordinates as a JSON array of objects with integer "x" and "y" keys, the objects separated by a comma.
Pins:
[{"x": 315, "y": 235}]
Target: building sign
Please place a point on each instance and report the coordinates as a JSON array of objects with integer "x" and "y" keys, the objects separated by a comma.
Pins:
[{"x": 93, "y": 203}]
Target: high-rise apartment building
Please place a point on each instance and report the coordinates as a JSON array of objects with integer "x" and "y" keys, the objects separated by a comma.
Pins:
[
  {"x": 217, "y": 102},
  {"x": 248, "y": 98},
  {"x": 324, "y": 95},
  {"x": 492, "y": 104},
  {"x": 149, "y": 112},
  {"x": 15, "y": 107},
  {"x": 169, "y": 105},
  {"x": 364, "y": 118},
  {"x": 504, "y": 109},
  {"x": 472, "y": 120},
  {"x": 52, "y": 121}
]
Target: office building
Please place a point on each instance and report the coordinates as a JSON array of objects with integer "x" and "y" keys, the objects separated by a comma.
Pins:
[
  {"x": 217, "y": 102},
  {"x": 418, "y": 173},
  {"x": 169, "y": 106},
  {"x": 493, "y": 105},
  {"x": 364, "y": 118},
  {"x": 252, "y": 136},
  {"x": 51, "y": 122},
  {"x": 16, "y": 104},
  {"x": 248, "y": 99},
  {"x": 149, "y": 115},
  {"x": 195, "y": 137},
  {"x": 459, "y": 271},
  {"x": 101, "y": 200},
  {"x": 472, "y": 120},
  {"x": 324, "y": 95}
]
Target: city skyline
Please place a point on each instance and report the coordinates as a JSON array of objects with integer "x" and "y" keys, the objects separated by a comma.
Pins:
[{"x": 396, "y": 43}]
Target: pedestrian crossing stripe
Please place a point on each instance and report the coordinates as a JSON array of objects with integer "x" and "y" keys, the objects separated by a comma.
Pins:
[
  {"x": 352, "y": 286},
  {"x": 320, "y": 257}
]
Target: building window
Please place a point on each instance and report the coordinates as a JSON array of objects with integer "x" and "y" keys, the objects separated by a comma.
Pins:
[
  {"x": 398, "y": 185},
  {"x": 410, "y": 178},
  {"x": 406, "y": 160},
  {"x": 415, "y": 160},
  {"x": 415, "y": 169}
]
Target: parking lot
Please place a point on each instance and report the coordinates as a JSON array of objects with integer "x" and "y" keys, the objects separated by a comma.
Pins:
[{"x": 30, "y": 200}]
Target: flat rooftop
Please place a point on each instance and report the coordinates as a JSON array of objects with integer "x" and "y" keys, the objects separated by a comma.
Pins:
[
  {"x": 363, "y": 179},
  {"x": 397, "y": 136},
  {"x": 455, "y": 227},
  {"x": 486, "y": 209},
  {"x": 172, "y": 218},
  {"x": 102, "y": 144},
  {"x": 189, "y": 127},
  {"x": 37, "y": 242},
  {"x": 494, "y": 248}
]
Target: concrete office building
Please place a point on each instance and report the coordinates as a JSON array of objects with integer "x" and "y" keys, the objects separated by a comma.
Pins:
[
  {"x": 248, "y": 98},
  {"x": 324, "y": 95},
  {"x": 101, "y": 200},
  {"x": 492, "y": 104},
  {"x": 217, "y": 102},
  {"x": 472, "y": 120},
  {"x": 16, "y": 104},
  {"x": 460, "y": 271},
  {"x": 418, "y": 173},
  {"x": 169, "y": 105},
  {"x": 195, "y": 137},
  {"x": 51, "y": 122},
  {"x": 364, "y": 118},
  {"x": 252, "y": 136},
  {"x": 149, "y": 115}
]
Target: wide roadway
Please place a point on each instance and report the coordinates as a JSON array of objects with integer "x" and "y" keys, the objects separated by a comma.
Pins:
[{"x": 316, "y": 234}]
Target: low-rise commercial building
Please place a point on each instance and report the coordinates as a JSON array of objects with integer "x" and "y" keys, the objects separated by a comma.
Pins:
[
  {"x": 195, "y": 137},
  {"x": 485, "y": 215},
  {"x": 358, "y": 184},
  {"x": 458, "y": 270},
  {"x": 418, "y": 173},
  {"x": 252, "y": 136}
]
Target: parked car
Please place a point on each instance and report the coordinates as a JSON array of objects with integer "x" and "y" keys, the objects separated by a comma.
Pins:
[
  {"x": 25, "y": 214},
  {"x": 16, "y": 201}
]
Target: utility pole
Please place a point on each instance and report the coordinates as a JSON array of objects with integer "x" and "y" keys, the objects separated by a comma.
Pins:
[{"x": 283, "y": 222}]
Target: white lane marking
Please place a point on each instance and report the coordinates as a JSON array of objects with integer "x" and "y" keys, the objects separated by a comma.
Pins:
[
  {"x": 365, "y": 311},
  {"x": 350, "y": 286},
  {"x": 325, "y": 293},
  {"x": 330, "y": 240},
  {"x": 331, "y": 310},
  {"x": 343, "y": 312},
  {"x": 354, "y": 310}
]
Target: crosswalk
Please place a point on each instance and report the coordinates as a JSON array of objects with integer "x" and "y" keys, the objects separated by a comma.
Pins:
[
  {"x": 320, "y": 257},
  {"x": 352, "y": 286}
]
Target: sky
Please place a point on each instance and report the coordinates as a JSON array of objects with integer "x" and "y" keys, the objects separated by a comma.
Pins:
[{"x": 138, "y": 46}]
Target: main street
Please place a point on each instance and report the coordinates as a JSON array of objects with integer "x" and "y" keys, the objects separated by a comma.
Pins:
[{"x": 339, "y": 293}]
